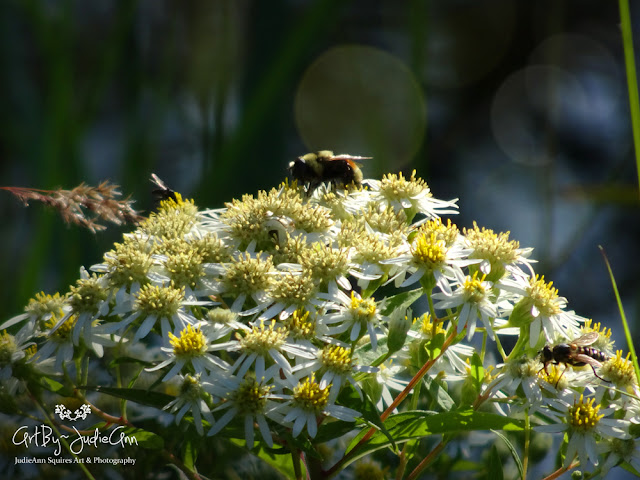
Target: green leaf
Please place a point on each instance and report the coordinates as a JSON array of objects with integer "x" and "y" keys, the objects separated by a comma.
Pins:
[
  {"x": 365, "y": 355},
  {"x": 434, "y": 346},
  {"x": 439, "y": 396},
  {"x": 514, "y": 452},
  {"x": 145, "y": 438},
  {"x": 189, "y": 455},
  {"x": 401, "y": 301},
  {"x": 494, "y": 464},
  {"x": 477, "y": 371},
  {"x": 330, "y": 430},
  {"x": 143, "y": 397},
  {"x": 124, "y": 360},
  {"x": 282, "y": 463},
  {"x": 373, "y": 286},
  {"x": 51, "y": 385},
  {"x": 629, "y": 468},
  {"x": 368, "y": 411},
  {"x": 417, "y": 424}
]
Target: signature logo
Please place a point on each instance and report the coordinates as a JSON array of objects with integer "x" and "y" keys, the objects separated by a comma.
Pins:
[
  {"x": 65, "y": 414},
  {"x": 44, "y": 435}
]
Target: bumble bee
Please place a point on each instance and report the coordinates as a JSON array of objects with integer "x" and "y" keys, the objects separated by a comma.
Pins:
[
  {"x": 576, "y": 353},
  {"x": 313, "y": 169}
]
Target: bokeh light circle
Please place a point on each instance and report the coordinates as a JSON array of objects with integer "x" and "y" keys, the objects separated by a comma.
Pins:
[
  {"x": 525, "y": 106},
  {"x": 363, "y": 101}
]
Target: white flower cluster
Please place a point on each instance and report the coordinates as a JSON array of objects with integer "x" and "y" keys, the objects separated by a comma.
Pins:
[{"x": 289, "y": 308}]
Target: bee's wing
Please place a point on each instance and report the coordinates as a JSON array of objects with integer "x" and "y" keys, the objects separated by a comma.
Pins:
[
  {"x": 587, "y": 359},
  {"x": 155, "y": 179},
  {"x": 354, "y": 158},
  {"x": 586, "y": 339}
]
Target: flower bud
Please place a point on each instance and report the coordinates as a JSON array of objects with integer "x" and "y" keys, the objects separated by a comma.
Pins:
[
  {"x": 521, "y": 313},
  {"x": 398, "y": 328}
]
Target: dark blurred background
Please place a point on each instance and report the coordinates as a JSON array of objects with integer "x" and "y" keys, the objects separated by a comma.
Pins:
[{"x": 518, "y": 108}]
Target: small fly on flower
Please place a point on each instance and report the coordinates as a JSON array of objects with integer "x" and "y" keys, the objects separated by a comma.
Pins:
[
  {"x": 162, "y": 192},
  {"x": 576, "y": 353}
]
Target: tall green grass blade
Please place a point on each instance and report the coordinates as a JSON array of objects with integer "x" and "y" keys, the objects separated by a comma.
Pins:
[
  {"x": 625, "y": 325},
  {"x": 632, "y": 80}
]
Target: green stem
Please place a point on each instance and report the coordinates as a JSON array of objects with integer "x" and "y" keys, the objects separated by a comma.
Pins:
[
  {"x": 500, "y": 348},
  {"x": 397, "y": 401},
  {"x": 520, "y": 344},
  {"x": 527, "y": 442},
  {"x": 295, "y": 459},
  {"x": 484, "y": 346},
  {"x": 415, "y": 397},
  {"x": 632, "y": 81},
  {"x": 426, "y": 461}
]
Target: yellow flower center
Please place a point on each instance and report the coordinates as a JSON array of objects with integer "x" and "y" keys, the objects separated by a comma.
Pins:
[
  {"x": 8, "y": 346},
  {"x": 474, "y": 291},
  {"x": 584, "y": 416},
  {"x": 488, "y": 245},
  {"x": 544, "y": 296},
  {"x": 44, "y": 303},
  {"x": 63, "y": 332},
  {"x": 337, "y": 359},
  {"x": 309, "y": 396},
  {"x": 190, "y": 343},
  {"x": 160, "y": 301},
  {"x": 448, "y": 233},
  {"x": 300, "y": 325},
  {"x": 428, "y": 328},
  {"x": 429, "y": 252},
  {"x": 363, "y": 309},
  {"x": 260, "y": 340},
  {"x": 251, "y": 397},
  {"x": 620, "y": 370},
  {"x": 396, "y": 187},
  {"x": 554, "y": 375}
]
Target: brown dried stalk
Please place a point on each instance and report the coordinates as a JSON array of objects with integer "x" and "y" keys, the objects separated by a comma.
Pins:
[{"x": 84, "y": 205}]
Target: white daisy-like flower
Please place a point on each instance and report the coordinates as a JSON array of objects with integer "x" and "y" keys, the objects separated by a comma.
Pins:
[
  {"x": 189, "y": 347},
  {"x": 388, "y": 378},
  {"x": 620, "y": 450},
  {"x": 185, "y": 269},
  {"x": 519, "y": 377},
  {"x": 247, "y": 279},
  {"x": 60, "y": 342},
  {"x": 499, "y": 255},
  {"x": 39, "y": 310},
  {"x": 586, "y": 425},
  {"x": 429, "y": 260},
  {"x": 411, "y": 195},
  {"x": 89, "y": 300},
  {"x": 13, "y": 350},
  {"x": 335, "y": 365},
  {"x": 356, "y": 314},
  {"x": 192, "y": 391},
  {"x": 292, "y": 291},
  {"x": 474, "y": 296},
  {"x": 262, "y": 344},
  {"x": 452, "y": 363},
  {"x": 220, "y": 322},
  {"x": 127, "y": 268},
  {"x": 245, "y": 397},
  {"x": 541, "y": 308},
  {"x": 155, "y": 303},
  {"x": 308, "y": 404}
]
